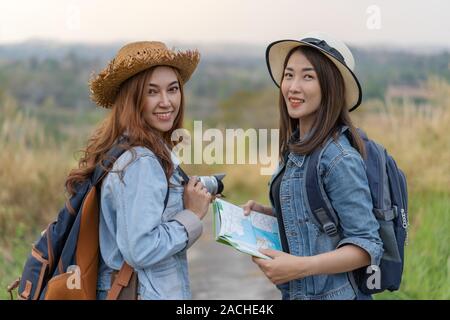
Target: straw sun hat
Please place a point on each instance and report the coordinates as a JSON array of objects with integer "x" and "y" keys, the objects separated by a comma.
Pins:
[
  {"x": 333, "y": 49},
  {"x": 134, "y": 58}
]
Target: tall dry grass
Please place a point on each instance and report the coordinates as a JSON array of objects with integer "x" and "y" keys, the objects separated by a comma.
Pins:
[
  {"x": 417, "y": 137},
  {"x": 32, "y": 170}
]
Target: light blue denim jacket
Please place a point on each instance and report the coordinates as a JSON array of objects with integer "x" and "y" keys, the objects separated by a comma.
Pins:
[
  {"x": 345, "y": 182},
  {"x": 135, "y": 227}
]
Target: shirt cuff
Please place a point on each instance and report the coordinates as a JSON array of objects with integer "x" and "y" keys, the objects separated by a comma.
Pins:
[{"x": 192, "y": 224}]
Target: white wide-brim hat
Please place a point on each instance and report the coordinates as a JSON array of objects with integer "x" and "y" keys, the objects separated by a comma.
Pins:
[{"x": 333, "y": 49}]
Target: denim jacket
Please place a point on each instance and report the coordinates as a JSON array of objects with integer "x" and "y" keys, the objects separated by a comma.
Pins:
[
  {"x": 342, "y": 170},
  {"x": 135, "y": 227}
]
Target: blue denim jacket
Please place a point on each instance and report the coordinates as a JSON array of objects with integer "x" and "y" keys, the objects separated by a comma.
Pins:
[
  {"x": 135, "y": 227},
  {"x": 345, "y": 182}
]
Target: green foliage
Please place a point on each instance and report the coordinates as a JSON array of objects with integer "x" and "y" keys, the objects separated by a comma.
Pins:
[
  {"x": 378, "y": 69},
  {"x": 426, "y": 273}
]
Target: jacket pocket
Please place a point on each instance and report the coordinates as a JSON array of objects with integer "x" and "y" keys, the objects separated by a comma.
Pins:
[
  {"x": 164, "y": 266},
  {"x": 326, "y": 286},
  {"x": 167, "y": 279}
]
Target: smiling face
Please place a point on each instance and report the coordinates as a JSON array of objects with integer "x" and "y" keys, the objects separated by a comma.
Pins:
[
  {"x": 301, "y": 90},
  {"x": 162, "y": 99}
]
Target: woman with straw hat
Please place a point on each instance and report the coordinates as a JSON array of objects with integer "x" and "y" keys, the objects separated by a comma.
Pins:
[
  {"x": 318, "y": 89},
  {"x": 147, "y": 219}
]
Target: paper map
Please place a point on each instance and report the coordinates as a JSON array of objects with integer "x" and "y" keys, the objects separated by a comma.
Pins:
[{"x": 245, "y": 233}]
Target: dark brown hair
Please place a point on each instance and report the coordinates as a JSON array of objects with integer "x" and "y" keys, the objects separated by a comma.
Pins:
[
  {"x": 127, "y": 116},
  {"x": 332, "y": 113}
]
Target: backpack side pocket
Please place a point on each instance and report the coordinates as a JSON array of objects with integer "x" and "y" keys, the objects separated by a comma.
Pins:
[{"x": 32, "y": 280}]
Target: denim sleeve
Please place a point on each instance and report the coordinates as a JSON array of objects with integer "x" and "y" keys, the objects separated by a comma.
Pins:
[
  {"x": 347, "y": 187},
  {"x": 192, "y": 223},
  {"x": 142, "y": 237}
]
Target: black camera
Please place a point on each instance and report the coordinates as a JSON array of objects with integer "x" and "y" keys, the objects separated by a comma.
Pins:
[{"x": 213, "y": 183}]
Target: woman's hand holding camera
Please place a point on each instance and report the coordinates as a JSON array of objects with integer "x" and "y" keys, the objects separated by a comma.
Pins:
[{"x": 196, "y": 197}]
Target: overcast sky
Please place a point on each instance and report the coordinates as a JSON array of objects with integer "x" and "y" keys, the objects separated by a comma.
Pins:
[{"x": 358, "y": 22}]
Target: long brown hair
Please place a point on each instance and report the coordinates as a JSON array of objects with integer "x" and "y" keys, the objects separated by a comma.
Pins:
[
  {"x": 332, "y": 113},
  {"x": 127, "y": 117}
]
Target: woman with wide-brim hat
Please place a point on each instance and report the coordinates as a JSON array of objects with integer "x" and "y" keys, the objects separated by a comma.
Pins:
[
  {"x": 147, "y": 218},
  {"x": 318, "y": 89}
]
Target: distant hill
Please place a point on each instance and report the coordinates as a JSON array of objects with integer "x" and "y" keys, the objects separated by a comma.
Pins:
[{"x": 45, "y": 72}]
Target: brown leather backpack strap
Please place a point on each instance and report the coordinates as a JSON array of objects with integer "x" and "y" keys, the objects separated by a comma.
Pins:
[
  {"x": 13, "y": 286},
  {"x": 121, "y": 281}
]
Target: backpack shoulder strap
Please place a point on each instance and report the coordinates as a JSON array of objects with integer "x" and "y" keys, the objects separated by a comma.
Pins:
[
  {"x": 313, "y": 185},
  {"x": 315, "y": 193},
  {"x": 122, "y": 281},
  {"x": 111, "y": 156}
]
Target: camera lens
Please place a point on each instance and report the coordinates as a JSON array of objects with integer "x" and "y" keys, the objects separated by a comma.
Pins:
[{"x": 213, "y": 184}]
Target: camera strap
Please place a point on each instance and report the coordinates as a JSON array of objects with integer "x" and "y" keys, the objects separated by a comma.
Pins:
[{"x": 183, "y": 174}]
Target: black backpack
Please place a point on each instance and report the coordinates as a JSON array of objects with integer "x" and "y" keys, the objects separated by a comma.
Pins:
[{"x": 390, "y": 207}]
